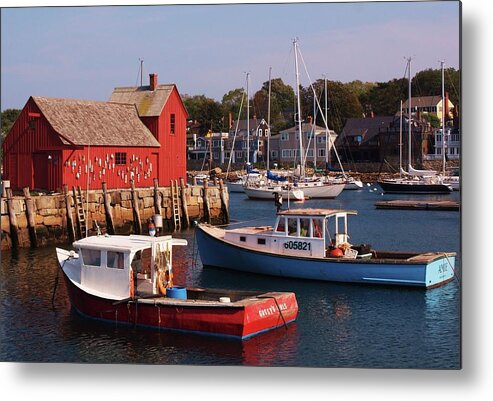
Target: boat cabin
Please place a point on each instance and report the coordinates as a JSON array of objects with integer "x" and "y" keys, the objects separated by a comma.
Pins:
[
  {"x": 299, "y": 232},
  {"x": 112, "y": 265}
]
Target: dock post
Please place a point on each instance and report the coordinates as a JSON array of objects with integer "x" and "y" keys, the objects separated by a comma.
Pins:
[
  {"x": 110, "y": 227},
  {"x": 14, "y": 228},
  {"x": 31, "y": 224},
  {"x": 157, "y": 198},
  {"x": 68, "y": 210},
  {"x": 135, "y": 207},
  {"x": 207, "y": 212},
  {"x": 184, "y": 206},
  {"x": 224, "y": 204}
]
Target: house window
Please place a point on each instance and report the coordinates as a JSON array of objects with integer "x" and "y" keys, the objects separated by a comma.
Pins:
[
  {"x": 286, "y": 153},
  {"x": 309, "y": 153},
  {"x": 172, "y": 124},
  {"x": 284, "y": 136},
  {"x": 120, "y": 158},
  {"x": 321, "y": 152}
]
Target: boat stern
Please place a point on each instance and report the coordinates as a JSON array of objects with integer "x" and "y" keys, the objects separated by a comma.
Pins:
[
  {"x": 440, "y": 271},
  {"x": 269, "y": 311}
]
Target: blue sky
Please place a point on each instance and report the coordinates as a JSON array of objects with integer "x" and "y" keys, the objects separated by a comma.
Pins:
[{"x": 84, "y": 52}]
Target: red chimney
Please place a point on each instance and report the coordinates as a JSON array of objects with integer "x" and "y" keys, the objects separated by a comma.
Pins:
[{"x": 153, "y": 81}]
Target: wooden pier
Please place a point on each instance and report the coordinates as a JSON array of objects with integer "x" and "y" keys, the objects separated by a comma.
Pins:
[{"x": 418, "y": 205}]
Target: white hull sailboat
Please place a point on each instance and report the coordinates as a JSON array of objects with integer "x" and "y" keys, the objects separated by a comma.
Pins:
[{"x": 268, "y": 192}]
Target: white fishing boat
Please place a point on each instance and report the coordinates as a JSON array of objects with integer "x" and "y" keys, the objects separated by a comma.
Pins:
[
  {"x": 129, "y": 280},
  {"x": 314, "y": 244}
]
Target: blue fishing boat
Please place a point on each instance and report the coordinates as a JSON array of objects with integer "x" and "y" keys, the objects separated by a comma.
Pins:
[{"x": 314, "y": 244}]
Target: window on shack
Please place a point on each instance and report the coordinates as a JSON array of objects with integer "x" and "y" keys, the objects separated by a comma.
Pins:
[
  {"x": 115, "y": 260},
  {"x": 91, "y": 257}
]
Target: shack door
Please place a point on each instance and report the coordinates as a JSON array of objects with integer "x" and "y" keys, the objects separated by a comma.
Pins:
[{"x": 47, "y": 170}]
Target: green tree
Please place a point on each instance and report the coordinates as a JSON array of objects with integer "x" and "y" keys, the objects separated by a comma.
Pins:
[
  {"x": 429, "y": 83},
  {"x": 232, "y": 101},
  {"x": 342, "y": 104},
  {"x": 282, "y": 101},
  {"x": 206, "y": 111},
  {"x": 434, "y": 121},
  {"x": 7, "y": 118},
  {"x": 384, "y": 98}
]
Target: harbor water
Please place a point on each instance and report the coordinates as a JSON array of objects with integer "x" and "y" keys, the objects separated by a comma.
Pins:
[{"x": 339, "y": 325}]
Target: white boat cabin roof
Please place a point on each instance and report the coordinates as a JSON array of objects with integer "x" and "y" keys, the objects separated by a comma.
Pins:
[
  {"x": 315, "y": 212},
  {"x": 124, "y": 243}
]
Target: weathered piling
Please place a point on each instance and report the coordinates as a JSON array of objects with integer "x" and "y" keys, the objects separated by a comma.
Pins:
[
  {"x": 110, "y": 227},
  {"x": 207, "y": 211},
  {"x": 56, "y": 224},
  {"x": 14, "y": 228},
  {"x": 157, "y": 198},
  {"x": 184, "y": 205},
  {"x": 224, "y": 203},
  {"x": 31, "y": 223},
  {"x": 135, "y": 208},
  {"x": 68, "y": 212}
]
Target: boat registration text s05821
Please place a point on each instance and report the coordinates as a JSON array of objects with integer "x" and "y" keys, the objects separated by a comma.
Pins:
[
  {"x": 298, "y": 245},
  {"x": 272, "y": 309}
]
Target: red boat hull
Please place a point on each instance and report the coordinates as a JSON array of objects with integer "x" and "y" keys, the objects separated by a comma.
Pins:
[{"x": 239, "y": 321}]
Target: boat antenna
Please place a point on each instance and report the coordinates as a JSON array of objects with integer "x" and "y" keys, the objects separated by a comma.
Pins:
[{"x": 87, "y": 191}]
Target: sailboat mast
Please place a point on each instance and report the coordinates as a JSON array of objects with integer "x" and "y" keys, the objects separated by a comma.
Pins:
[
  {"x": 400, "y": 144},
  {"x": 443, "y": 120},
  {"x": 302, "y": 164},
  {"x": 268, "y": 121},
  {"x": 409, "y": 114},
  {"x": 314, "y": 132},
  {"x": 248, "y": 120},
  {"x": 326, "y": 128}
]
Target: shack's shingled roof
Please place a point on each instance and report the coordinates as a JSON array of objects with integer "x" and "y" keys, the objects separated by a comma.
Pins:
[
  {"x": 87, "y": 122},
  {"x": 149, "y": 103}
]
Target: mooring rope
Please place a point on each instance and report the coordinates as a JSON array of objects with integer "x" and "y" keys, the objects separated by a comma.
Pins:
[
  {"x": 452, "y": 267},
  {"x": 278, "y": 308}
]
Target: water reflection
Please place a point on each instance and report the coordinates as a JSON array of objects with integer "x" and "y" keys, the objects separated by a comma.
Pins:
[{"x": 338, "y": 325}]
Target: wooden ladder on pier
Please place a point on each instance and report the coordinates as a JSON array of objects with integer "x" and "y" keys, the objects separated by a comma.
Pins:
[
  {"x": 176, "y": 204},
  {"x": 79, "y": 212}
]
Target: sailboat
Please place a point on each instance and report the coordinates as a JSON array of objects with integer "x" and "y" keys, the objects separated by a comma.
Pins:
[
  {"x": 313, "y": 188},
  {"x": 413, "y": 181},
  {"x": 251, "y": 176}
]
